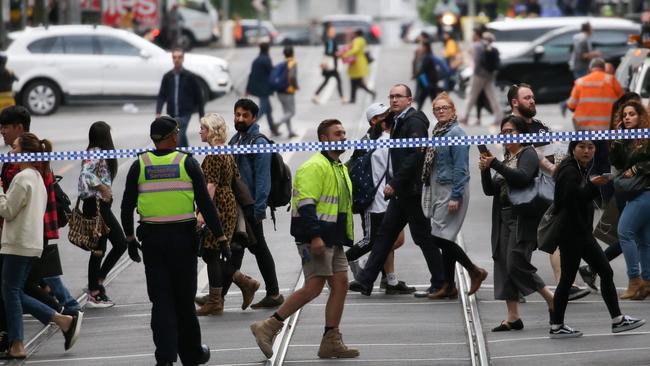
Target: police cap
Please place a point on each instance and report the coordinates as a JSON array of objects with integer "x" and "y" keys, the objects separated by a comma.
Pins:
[{"x": 163, "y": 127}]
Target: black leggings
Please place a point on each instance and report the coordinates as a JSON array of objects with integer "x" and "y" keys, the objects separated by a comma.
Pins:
[
  {"x": 331, "y": 74},
  {"x": 356, "y": 84},
  {"x": 423, "y": 94},
  {"x": 570, "y": 254},
  {"x": 97, "y": 271},
  {"x": 235, "y": 261},
  {"x": 218, "y": 270}
]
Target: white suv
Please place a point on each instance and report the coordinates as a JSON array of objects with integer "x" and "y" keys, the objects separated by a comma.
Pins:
[{"x": 61, "y": 64}]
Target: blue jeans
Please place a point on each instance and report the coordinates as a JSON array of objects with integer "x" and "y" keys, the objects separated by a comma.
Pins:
[
  {"x": 61, "y": 293},
  {"x": 265, "y": 109},
  {"x": 183, "y": 122},
  {"x": 15, "y": 270},
  {"x": 634, "y": 235}
]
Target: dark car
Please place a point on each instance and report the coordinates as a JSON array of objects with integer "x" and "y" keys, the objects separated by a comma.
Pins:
[
  {"x": 346, "y": 25},
  {"x": 545, "y": 63}
]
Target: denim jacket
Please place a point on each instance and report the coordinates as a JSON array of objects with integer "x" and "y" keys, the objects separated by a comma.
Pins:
[
  {"x": 254, "y": 169},
  {"x": 452, "y": 164}
]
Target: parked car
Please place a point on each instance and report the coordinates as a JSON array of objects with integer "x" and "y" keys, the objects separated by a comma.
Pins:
[
  {"x": 200, "y": 23},
  {"x": 513, "y": 36},
  {"x": 62, "y": 64},
  {"x": 347, "y": 24},
  {"x": 298, "y": 36},
  {"x": 633, "y": 71},
  {"x": 544, "y": 64},
  {"x": 254, "y": 34}
]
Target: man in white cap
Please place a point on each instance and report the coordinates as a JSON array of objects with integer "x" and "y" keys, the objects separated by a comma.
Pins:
[{"x": 377, "y": 115}]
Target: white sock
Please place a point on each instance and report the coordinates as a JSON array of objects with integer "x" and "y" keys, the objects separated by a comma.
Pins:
[
  {"x": 391, "y": 278},
  {"x": 617, "y": 319}
]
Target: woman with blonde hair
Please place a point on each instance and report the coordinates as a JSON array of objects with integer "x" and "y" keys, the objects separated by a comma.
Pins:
[
  {"x": 220, "y": 173},
  {"x": 631, "y": 158}
]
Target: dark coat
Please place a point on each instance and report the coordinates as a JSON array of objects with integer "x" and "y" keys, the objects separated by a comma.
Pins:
[
  {"x": 190, "y": 97},
  {"x": 407, "y": 162},
  {"x": 521, "y": 177},
  {"x": 258, "y": 80},
  {"x": 573, "y": 201}
]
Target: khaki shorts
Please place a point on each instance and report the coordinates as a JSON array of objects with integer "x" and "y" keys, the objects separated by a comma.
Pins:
[{"x": 333, "y": 261}]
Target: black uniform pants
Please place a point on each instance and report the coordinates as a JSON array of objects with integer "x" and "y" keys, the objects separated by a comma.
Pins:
[
  {"x": 170, "y": 259},
  {"x": 402, "y": 211}
]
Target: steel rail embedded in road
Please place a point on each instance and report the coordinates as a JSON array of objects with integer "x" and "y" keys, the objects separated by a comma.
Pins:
[{"x": 477, "y": 345}]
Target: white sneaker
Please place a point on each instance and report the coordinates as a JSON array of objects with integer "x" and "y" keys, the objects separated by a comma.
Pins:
[{"x": 99, "y": 301}]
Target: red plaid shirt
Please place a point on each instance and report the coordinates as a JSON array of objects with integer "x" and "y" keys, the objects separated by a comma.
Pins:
[{"x": 50, "y": 219}]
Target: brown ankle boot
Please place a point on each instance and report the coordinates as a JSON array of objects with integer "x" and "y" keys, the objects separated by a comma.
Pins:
[
  {"x": 478, "y": 275},
  {"x": 643, "y": 291},
  {"x": 633, "y": 287},
  {"x": 201, "y": 300},
  {"x": 265, "y": 332},
  {"x": 214, "y": 305},
  {"x": 332, "y": 346},
  {"x": 247, "y": 285},
  {"x": 444, "y": 292}
]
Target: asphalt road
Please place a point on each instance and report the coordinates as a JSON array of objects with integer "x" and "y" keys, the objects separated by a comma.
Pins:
[{"x": 388, "y": 330}]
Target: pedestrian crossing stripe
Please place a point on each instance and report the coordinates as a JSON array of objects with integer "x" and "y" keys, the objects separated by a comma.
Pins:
[{"x": 528, "y": 138}]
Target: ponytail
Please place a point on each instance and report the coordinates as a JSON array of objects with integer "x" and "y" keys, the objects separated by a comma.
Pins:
[{"x": 29, "y": 143}]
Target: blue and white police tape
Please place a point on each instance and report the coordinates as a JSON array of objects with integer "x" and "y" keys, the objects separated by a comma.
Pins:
[{"x": 343, "y": 145}]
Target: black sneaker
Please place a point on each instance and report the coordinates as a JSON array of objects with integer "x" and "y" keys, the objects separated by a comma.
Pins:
[
  {"x": 357, "y": 286},
  {"x": 576, "y": 293},
  {"x": 588, "y": 276},
  {"x": 564, "y": 332},
  {"x": 205, "y": 354},
  {"x": 269, "y": 302},
  {"x": 72, "y": 333},
  {"x": 400, "y": 289},
  {"x": 383, "y": 283},
  {"x": 627, "y": 323}
]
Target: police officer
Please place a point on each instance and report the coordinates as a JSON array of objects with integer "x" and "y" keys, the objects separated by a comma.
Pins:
[{"x": 164, "y": 184}]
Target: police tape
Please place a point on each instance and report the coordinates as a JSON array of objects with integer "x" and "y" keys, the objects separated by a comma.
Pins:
[{"x": 529, "y": 138}]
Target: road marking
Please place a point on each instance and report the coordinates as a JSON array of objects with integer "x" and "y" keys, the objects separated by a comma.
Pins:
[
  {"x": 389, "y": 344},
  {"x": 571, "y": 353},
  {"x": 585, "y": 335},
  {"x": 399, "y": 360},
  {"x": 137, "y": 355},
  {"x": 425, "y": 302},
  {"x": 280, "y": 349}
]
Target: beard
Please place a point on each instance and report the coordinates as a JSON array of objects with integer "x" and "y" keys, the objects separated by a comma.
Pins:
[
  {"x": 527, "y": 112},
  {"x": 338, "y": 151},
  {"x": 241, "y": 127}
]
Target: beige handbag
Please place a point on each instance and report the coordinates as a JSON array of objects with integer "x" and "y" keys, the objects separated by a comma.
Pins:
[{"x": 84, "y": 232}]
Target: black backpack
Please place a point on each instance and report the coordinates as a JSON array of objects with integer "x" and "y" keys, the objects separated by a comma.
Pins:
[
  {"x": 62, "y": 203},
  {"x": 280, "y": 194},
  {"x": 491, "y": 59},
  {"x": 363, "y": 187}
]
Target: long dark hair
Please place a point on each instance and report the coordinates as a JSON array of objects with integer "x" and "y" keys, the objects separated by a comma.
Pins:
[
  {"x": 99, "y": 136},
  {"x": 377, "y": 130},
  {"x": 520, "y": 125}
]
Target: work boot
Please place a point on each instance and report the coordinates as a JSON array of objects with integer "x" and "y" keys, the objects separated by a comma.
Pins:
[
  {"x": 265, "y": 332},
  {"x": 632, "y": 287},
  {"x": 201, "y": 300},
  {"x": 444, "y": 292},
  {"x": 214, "y": 305},
  {"x": 643, "y": 291},
  {"x": 332, "y": 346},
  {"x": 478, "y": 275},
  {"x": 247, "y": 285}
]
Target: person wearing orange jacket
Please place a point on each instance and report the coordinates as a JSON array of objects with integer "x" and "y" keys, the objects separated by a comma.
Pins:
[{"x": 591, "y": 102}]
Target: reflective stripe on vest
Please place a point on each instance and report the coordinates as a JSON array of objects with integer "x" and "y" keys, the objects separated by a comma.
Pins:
[{"x": 165, "y": 191}]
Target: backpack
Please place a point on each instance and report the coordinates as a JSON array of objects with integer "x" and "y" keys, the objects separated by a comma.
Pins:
[
  {"x": 491, "y": 59},
  {"x": 62, "y": 203},
  {"x": 279, "y": 77},
  {"x": 280, "y": 194},
  {"x": 363, "y": 187}
]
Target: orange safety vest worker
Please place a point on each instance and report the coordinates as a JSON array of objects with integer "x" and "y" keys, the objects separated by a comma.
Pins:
[{"x": 591, "y": 100}]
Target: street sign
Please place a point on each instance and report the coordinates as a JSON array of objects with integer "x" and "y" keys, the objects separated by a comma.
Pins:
[{"x": 145, "y": 11}]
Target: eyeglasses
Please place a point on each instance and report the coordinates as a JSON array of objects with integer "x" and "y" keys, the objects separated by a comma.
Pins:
[
  {"x": 396, "y": 96},
  {"x": 509, "y": 131},
  {"x": 443, "y": 108}
]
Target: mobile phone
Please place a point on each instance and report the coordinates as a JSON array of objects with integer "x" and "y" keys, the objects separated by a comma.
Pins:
[
  {"x": 609, "y": 176},
  {"x": 483, "y": 149}
]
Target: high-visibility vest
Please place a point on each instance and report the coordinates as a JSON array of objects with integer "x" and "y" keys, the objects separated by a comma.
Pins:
[
  {"x": 165, "y": 191},
  {"x": 591, "y": 100}
]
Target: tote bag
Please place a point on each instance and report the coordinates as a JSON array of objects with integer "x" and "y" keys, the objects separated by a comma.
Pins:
[{"x": 84, "y": 232}]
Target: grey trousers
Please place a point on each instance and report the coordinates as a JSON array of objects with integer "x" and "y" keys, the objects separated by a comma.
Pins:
[
  {"x": 483, "y": 83},
  {"x": 288, "y": 102}
]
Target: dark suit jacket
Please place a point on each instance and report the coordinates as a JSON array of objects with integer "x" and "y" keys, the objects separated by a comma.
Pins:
[
  {"x": 407, "y": 162},
  {"x": 190, "y": 98},
  {"x": 258, "y": 80}
]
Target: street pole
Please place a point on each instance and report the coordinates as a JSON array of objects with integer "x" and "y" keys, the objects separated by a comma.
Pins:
[
  {"x": 23, "y": 14},
  {"x": 225, "y": 10},
  {"x": 471, "y": 13},
  {"x": 2, "y": 26}
]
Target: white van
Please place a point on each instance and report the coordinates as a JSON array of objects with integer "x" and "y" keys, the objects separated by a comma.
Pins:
[{"x": 200, "y": 22}]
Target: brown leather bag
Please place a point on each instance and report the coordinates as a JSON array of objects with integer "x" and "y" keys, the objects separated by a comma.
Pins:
[{"x": 85, "y": 232}]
